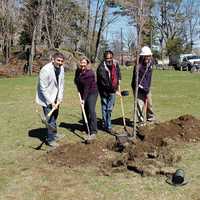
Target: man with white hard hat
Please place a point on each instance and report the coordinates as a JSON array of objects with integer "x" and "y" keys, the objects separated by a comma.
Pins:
[{"x": 144, "y": 100}]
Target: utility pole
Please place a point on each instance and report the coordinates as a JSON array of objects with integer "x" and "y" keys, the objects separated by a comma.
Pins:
[{"x": 122, "y": 59}]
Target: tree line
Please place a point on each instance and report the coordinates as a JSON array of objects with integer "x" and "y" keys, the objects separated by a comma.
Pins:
[{"x": 79, "y": 25}]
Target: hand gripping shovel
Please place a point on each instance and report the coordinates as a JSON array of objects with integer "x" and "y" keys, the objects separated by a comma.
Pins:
[
  {"x": 87, "y": 140},
  {"x": 46, "y": 119}
]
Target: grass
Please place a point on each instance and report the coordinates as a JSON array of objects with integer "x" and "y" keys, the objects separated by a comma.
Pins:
[{"x": 26, "y": 174}]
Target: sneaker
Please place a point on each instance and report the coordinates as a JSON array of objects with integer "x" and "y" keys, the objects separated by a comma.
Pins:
[
  {"x": 92, "y": 136},
  {"x": 59, "y": 136},
  {"x": 52, "y": 144},
  {"x": 109, "y": 130}
]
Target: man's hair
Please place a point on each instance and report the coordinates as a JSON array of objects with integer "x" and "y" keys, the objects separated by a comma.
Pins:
[
  {"x": 58, "y": 55},
  {"x": 107, "y": 52}
]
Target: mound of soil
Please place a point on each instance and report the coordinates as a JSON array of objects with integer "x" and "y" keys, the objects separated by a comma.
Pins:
[
  {"x": 153, "y": 152},
  {"x": 80, "y": 154}
]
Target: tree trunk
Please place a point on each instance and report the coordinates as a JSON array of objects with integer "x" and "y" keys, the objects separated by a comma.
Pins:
[
  {"x": 41, "y": 17},
  {"x": 87, "y": 44},
  {"x": 93, "y": 32},
  {"x": 139, "y": 33},
  {"x": 100, "y": 29},
  {"x": 6, "y": 48},
  {"x": 32, "y": 51}
]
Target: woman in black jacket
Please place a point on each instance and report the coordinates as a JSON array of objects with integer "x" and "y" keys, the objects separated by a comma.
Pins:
[{"x": 87, "y": 87}]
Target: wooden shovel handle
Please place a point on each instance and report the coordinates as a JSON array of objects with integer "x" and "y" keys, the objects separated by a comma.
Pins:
[
  {"x": 52, "y": 110},
  {"x": 82, "y": 108}
]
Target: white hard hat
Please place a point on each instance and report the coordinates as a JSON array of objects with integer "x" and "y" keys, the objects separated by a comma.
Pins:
[{"x": 145, "y": 51}]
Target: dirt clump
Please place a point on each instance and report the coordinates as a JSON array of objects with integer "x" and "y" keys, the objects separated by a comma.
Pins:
[
  {"x": 155, "y": 153},
  {"x": 80, "y": 154}
]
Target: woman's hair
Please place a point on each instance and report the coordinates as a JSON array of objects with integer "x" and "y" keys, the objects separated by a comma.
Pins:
[
  {"x": 141, "y": 59},
  {"x": 85, "y": 58}
]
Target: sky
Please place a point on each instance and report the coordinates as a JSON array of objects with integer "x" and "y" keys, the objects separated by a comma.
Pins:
[{"x": 113, "y": 31}]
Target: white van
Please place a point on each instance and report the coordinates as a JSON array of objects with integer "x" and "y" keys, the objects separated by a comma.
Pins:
[{"x": 183, "y": 56}]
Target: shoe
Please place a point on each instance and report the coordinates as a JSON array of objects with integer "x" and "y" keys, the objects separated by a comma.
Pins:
[
  {"x": 140, "y": 124},
  {"x": 52, "y": 144},
  {"x": 92, "y": 136},
  {"x": 109, "y": 130},
  {"x": 59, "y": 136}
]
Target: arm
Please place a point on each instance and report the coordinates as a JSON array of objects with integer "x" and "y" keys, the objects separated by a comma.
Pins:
[
  {"x": 61, "y": 86},
  {"x": 43, "y": 85},
  {"x": 118, "y": 92},
  {"x": 102, "y": 79}
]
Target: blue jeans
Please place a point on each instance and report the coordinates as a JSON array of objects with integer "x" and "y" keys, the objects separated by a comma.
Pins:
[
  {"x": 107, "y": 104},
  {"x": 52, "y": 122}
]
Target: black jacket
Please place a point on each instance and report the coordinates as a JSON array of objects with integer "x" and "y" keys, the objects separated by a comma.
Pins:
[{"x": 104, "y": 82}]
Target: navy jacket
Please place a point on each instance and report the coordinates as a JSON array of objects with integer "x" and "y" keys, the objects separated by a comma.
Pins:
[{"x": 144, "y": 78}]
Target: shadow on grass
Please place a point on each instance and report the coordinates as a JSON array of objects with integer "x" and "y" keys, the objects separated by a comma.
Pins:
[
  {"x": 39, "y": 133},
  {"x": 119, "y": 121},
  {"x": 73, "y": 127}
]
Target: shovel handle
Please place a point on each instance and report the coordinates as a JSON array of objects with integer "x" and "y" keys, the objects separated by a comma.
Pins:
[
  {"x": 52, "y": 110},
  {"x": 84, "y": 114},
  {"x": 122, "y": 107},
  {"x": 82, "y": 108}
]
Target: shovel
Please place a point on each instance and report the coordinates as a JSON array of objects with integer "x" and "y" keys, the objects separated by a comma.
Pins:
[
  {"x": 88, "y": 139},
  {"x": 122, "y": 139},
  {"x": 123, "y": 94},
  {"x": 46, "y": 119}
]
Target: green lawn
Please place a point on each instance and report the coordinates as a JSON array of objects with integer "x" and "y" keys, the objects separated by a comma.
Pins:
[{"x": 25, "y": 173}]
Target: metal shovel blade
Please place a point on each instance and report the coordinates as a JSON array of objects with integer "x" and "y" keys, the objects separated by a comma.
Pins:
[
  {"x": 122, "y": 139},
  {"x": 45, "y": 122}
]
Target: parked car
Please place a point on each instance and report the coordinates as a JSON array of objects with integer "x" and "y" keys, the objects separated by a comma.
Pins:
[
  {"x": 191, "y": 63},
  {"x": 188, "y": 62}
]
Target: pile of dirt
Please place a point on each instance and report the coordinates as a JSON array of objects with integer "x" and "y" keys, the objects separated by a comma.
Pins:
[
  {"x": 81, "y": 154},
  {"x": 153, "y": 152}
]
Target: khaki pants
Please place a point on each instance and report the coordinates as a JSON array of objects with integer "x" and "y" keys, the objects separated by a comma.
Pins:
[{"x": 144, "y": 108}]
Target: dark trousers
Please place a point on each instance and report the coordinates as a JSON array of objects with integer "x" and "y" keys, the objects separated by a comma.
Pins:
[
  {"x": 52, "y": 122},
  {"x": 90, "y": 110}
]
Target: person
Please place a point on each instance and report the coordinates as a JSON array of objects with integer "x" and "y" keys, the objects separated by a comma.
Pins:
[
  {"x": 50, "y": 94},
  {"x": 86, "y": 85},
  {"x": 144, "y": 100},
  {"x": 108, "y": 80}
]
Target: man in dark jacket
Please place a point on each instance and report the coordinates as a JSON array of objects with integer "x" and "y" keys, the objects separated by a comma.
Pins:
[
  {"x": 108, "y": 79},
  {"x": 144, "y": 100}
]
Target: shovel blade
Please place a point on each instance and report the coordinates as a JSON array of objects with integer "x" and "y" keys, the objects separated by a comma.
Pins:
[
  {"x": 122, "y": 139},
  {"x": 45, "y": 122}
]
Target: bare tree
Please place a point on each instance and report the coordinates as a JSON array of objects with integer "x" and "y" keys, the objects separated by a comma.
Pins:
[
  {"x": 8, "y": 25},
  {"x": 192, "y": 19},
  {"x": 130, "y": 42},
  {"x": 101, "y": 25},
  {"x": 170, "y": 21},
  {"x": 139, "y": 11},
  {"x": 34, "y": 10}
]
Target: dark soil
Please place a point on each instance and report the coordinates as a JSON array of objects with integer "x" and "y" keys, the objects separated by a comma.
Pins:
[{"x": 153, "y": 152}]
